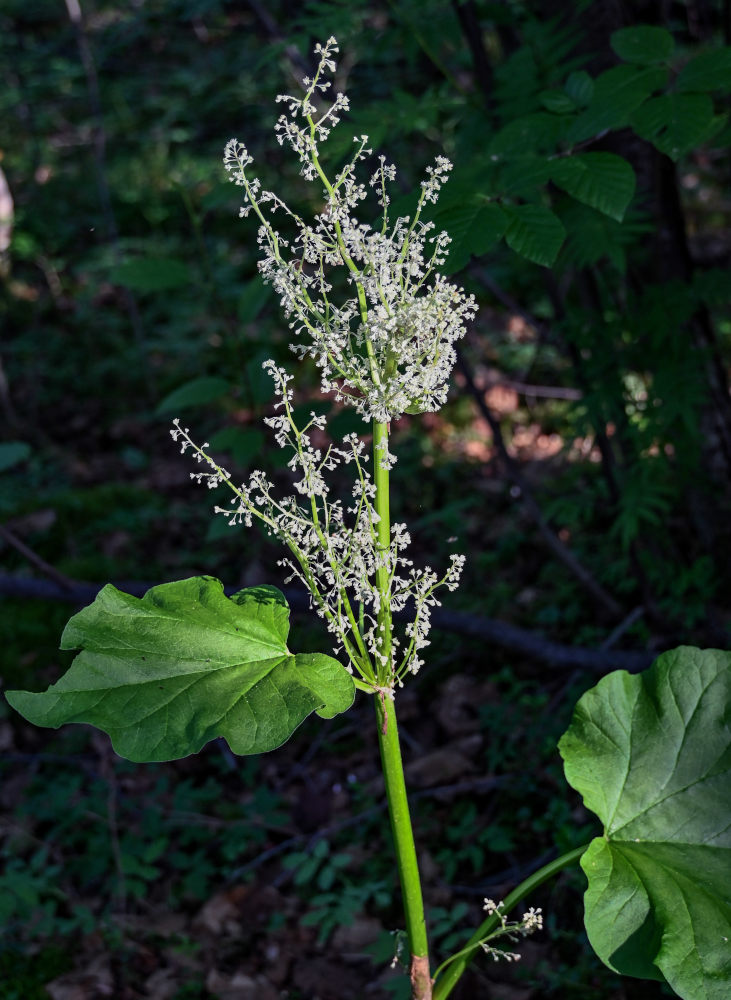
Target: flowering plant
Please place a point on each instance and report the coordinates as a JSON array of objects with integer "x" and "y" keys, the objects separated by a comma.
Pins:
[
  {"x": 166, "y": 673},
  {"x": 385, "y": 350}
]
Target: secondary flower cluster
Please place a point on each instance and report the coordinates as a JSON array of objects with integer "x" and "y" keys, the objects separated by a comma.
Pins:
[
  {"x": 532, "y": 920},
  {"x": 388, "y": 348},
  {"x": 334, "y": 550}
]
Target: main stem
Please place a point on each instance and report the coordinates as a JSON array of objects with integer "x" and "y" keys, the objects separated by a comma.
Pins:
[{"x": 393, "y": 768}]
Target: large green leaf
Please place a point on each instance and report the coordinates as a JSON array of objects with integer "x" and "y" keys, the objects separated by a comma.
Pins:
[
  {"x": 651, "y": 756},
  {"x": 534, "y": 232},
  {"x": 643, "y": 44},
  {"x": 166, "y": 673},
  {"x": 601, "y": 180}
]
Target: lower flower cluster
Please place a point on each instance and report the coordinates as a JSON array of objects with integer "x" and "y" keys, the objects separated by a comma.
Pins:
[{"x": 334, "y": 550}]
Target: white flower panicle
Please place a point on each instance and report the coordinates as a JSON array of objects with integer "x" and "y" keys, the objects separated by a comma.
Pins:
[
  {"x": 386, "y": 346},
  {"x": 389, "y": 347},
  {"x": 334, "y": 550}
]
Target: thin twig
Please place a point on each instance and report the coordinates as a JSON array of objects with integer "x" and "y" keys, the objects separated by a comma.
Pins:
[{"x": 33, "y": 557}]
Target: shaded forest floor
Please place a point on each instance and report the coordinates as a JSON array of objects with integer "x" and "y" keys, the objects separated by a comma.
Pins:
[{"x": 215, "y": 877}]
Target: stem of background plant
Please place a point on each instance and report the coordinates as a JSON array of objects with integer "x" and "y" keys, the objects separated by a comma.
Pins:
[
  {"x": 391, "y": 762},
  {"x": 455, "y": 966}
]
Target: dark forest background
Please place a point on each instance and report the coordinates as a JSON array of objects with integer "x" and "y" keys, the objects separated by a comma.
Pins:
[{"x": 583, "y": 462}]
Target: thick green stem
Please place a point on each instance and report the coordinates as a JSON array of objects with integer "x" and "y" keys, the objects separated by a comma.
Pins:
[
  {"x": 454, "y": 967},
  {"x": 403, "y": 838},
  {"x": 393, "y": 768}
]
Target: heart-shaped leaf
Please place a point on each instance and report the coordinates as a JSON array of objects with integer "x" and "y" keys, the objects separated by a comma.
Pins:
[
  {"x": 166, "y": 673},
  {"x": 651, "y": 756}
]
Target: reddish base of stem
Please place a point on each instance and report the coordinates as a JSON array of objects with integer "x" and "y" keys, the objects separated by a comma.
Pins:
[{"x": 421, "y": 983}]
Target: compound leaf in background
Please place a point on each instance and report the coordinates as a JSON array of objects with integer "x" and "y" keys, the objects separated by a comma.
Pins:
[
  {"x": 534, "y": 232},
  {"x": 166, "y": 673},
  {"x": 206, "y": 389},
  {"x": 602, "y": 180},
  {"x": 643, "y": 44},
  {"x": 651, "y": 756}
]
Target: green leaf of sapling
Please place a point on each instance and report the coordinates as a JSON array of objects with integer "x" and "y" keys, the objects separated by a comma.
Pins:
[
  {"x": 602, "y": 180},
  {"x": 676, "y": 123},
  {"x": 243, "y": 444},
  {"x": 534, "y": 232},
  {"x": 617, "y": 92},
  {"x": 580, "y": 87},
  {"x": 643, "y": 44},
  {"x": 651, "y": 756},
  {"x": 557, "y": 101},
  {"x": 196, "y": 392},
  {"x": 707, "y": 71},
  {"x": 475, "y": 226},
  {"x": 166, "y": 673}
]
